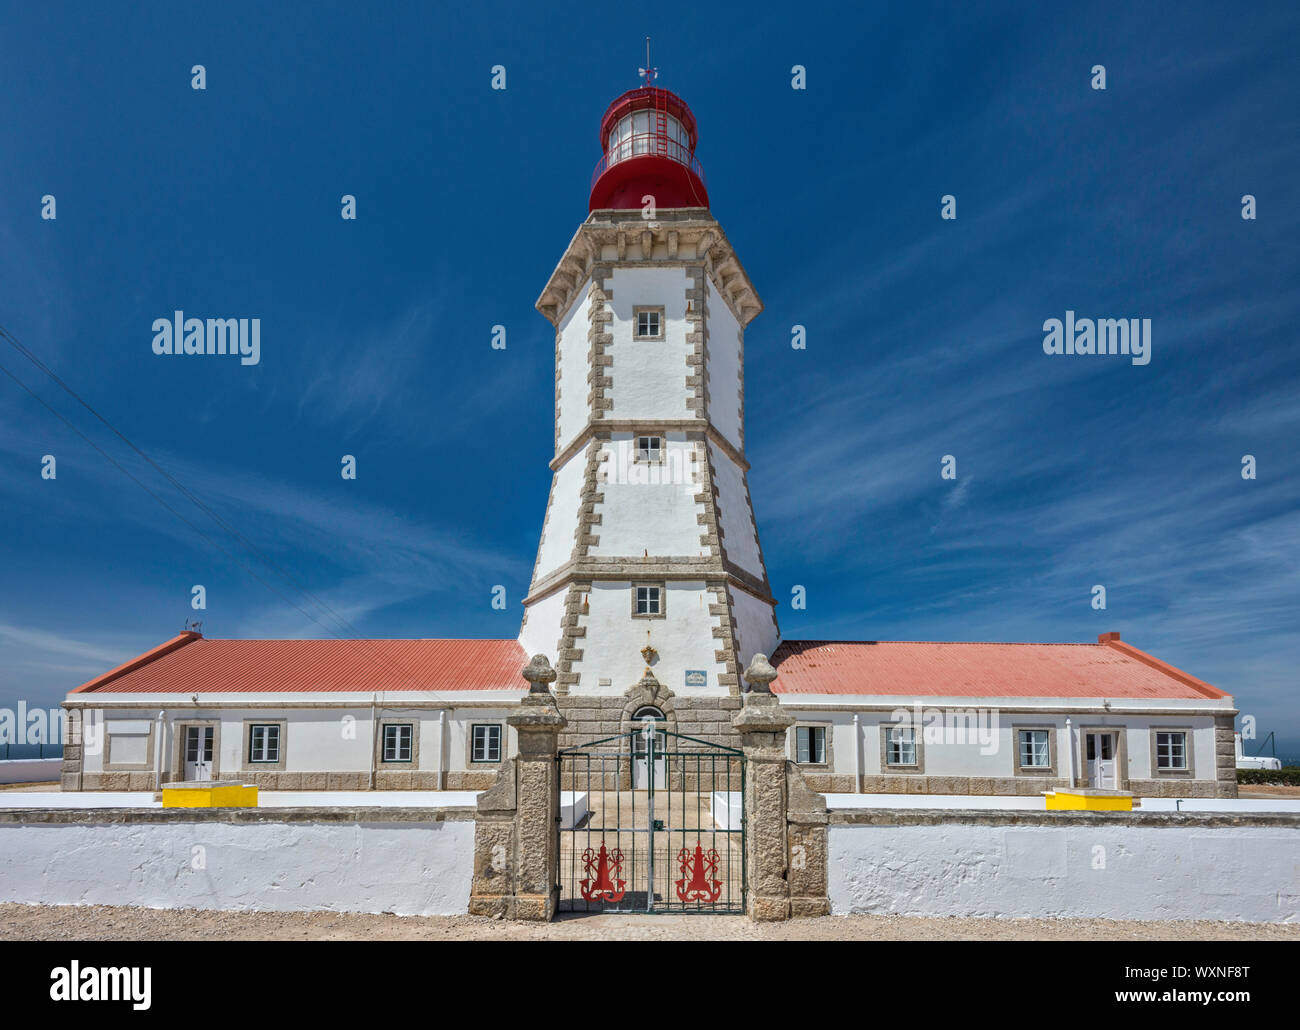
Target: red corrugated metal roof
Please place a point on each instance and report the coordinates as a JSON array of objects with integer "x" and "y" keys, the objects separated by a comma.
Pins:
[
  {"x": 904, "y": 668},
  {"x": 190, "y": 664},
  {"x": 1110, "y": 669}
]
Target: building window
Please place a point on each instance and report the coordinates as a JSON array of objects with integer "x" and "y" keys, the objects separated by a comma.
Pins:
[
  {"x": 1171, "y": 751},
  {"x": 810, "y": 745},
  {"x": 485, "y": 742},
  {"x": 900, "y": 745},
  {"x": 649, "y": 448},
  {"x": 398, "y": 738},
  {"x": 1035, "y": 749},
  {"x": 648, "y": 602},
  {"x": 264, "y": 743},
  {"x": 649, "y": 323}
]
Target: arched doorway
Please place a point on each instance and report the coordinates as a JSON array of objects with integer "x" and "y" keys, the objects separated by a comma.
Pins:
[{"x": 642, "y": 759}]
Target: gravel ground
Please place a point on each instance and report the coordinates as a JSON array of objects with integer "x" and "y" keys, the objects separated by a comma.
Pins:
[{"x": 100, "y": 922}]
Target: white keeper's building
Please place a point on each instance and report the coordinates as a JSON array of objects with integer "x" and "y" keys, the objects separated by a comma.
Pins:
[{"x": 650, "y": 594}]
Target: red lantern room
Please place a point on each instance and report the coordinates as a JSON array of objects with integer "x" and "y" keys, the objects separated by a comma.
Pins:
[{"x": 648, "y": 137}]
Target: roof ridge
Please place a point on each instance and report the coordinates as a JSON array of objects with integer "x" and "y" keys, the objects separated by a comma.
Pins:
[
  {"x": 972, "y": 643},
  {"x": 1172, "y": 671},
  {"x": 349, "y": 640},
  {"x": 138, "y": 662}
]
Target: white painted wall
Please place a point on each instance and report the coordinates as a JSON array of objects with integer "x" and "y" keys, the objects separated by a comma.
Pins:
[
  {"x": 571, "y": 376},
  {"x": 966, "y": 869},
  {"x": 556, "y": 546},
  {"x": 30, "y": 770},
  {"x": 649, "y": 507},
  {"x": 684, "y": 639},
  {"x": 648, "y": 376},
  {"x": 404, "y": 868},
  {"x": 756, "y": 631},
  {"x": 323, "y": 739},
  {"x": 739, "y": 539},
  {"x": 541, "y": 631},
  {"x": 724, "y": 367},
  {"x": 994, "y": 752}
]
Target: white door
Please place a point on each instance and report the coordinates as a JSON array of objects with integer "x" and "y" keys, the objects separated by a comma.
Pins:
[
  {"x": 1101, "y": 761},
  {"x": 641, "y": 760},
  {"x": 198, "y": 753}
]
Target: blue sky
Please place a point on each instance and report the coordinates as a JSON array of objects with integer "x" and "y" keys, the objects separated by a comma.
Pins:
[{"x": 924, "y": 335}]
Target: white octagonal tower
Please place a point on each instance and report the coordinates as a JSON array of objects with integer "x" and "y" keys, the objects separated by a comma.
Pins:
[{"x": 649, "y": 592}]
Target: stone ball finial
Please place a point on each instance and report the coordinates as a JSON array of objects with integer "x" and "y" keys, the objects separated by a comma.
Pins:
[
  {"x": 760, "y": 674},
  {"x": 539, "y": 673}
]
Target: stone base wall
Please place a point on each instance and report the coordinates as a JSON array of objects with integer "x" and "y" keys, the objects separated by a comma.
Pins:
[
  {"x": 274, "y": 780},
  {"x": 1183, "y": 788},
  {"x": 1009, "y": 785},
  {"x": 479, "y": 780}
]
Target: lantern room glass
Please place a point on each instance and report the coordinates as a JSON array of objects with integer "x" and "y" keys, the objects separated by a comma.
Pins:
[{"x": 636, "y": 135}]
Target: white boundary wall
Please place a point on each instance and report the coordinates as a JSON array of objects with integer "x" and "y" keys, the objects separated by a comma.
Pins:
[
  {"x": 30, "y": 770},
  {"x": 404, "y": 867},
  {"x": 976, "y": 868}
]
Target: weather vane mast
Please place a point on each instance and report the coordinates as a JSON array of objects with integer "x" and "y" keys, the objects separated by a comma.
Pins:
[{"x": 647, "y": 72}]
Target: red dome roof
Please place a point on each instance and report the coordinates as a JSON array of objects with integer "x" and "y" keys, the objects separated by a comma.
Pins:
[{"x": 654, "y": 161}]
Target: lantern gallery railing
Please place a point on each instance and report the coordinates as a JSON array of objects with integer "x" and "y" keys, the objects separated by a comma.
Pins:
[
  {"x": 647, "y": 144},
  {"x": 657, "y": 825}
]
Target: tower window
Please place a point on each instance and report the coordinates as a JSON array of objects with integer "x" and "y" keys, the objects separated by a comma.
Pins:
[
  {"x": 649, "y": 448},
  {"x": 648, "y": 601},
  {"x": 649, "y": 323}
]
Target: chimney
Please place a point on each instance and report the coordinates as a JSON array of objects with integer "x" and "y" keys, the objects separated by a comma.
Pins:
[{"x": 1106, "y": 638}]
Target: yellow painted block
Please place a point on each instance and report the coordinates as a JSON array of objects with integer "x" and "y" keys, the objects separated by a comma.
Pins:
[
  {"x": 224, "y": 795},
  {"x": 1068, "y": 800}
]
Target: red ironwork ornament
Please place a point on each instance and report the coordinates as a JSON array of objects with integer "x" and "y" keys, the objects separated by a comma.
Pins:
[
  {"x": 605, "y": 885},
  {"x": 702, "y": 869}
]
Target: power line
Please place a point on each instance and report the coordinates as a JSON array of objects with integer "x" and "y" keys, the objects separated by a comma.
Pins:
[
  {"x": 126, "y": 472},
  {"x": 199, "y": 503}
]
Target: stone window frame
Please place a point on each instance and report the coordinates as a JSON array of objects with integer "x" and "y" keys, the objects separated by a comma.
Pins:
[
  {"x": 662, "y": 587},
  {"x": 1188, "y": 773},
  {"x": 637, "y": 310},
  {"x": 147, "y": 766},
  {"x": 828, "y": 752},
  {"x": 178, "y": 746},
  {"x": 636, "y": 448},
  {"x": 1035, "y": 770},
  {"x": 245, "y": 756},
  {"x": 470, "y": 760},
  {"x": 918, "y": 737},
  {"x": 414, "y": 761}
]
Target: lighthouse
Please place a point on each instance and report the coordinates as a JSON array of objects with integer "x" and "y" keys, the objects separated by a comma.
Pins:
[{"x": 649, "y": 593}]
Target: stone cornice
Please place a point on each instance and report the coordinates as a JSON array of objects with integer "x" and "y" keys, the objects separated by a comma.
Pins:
[
  {"x": 664, "y": 240},
  {"x": 711, "y": 569},
  {"x": 605, "y": 427}
]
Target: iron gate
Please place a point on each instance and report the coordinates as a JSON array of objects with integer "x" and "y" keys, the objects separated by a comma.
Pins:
[{"x": 652, "y": 821}]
